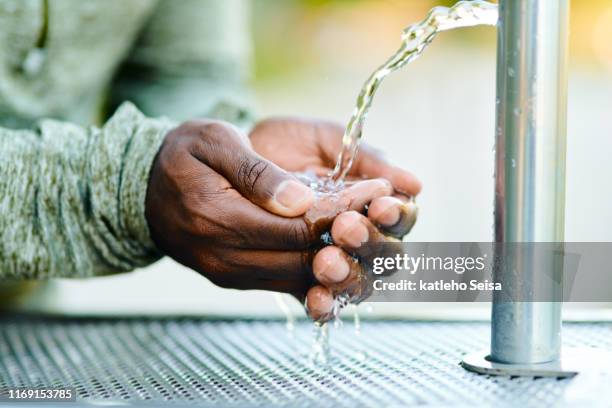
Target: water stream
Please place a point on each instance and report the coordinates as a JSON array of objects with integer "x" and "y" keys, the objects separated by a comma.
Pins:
[{"x": 415, "y": 38}]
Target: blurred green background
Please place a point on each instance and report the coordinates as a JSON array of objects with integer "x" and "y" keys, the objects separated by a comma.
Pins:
[
  {"x": 435, "y": 118},
  {"x": 293, "y": 35}
]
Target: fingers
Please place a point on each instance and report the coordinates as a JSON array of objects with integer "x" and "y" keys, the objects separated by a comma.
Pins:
[
  {"x": 223, "y": 216},
  {"x": 369, "y": 163},
  {"x": 257, "y": 179},
  {"x": 269, "y": 231},
  {"x": 262, "y": 230},
  {"x": 319, "y": 303},
  {"x": 360, "y": 194},
  {"x": 351, "y": 230},
  {"x": 263, "y": 264},
  {"x": 295, "y": 288},
  {"x": 355, "y": 197},
  {"x": 338, "y": 271},
  {"x": 393, "y": 216},
  {"x": 331, "y": 266},
  {"x": 338, "y": 274},
  {"x": 279, "y": 271}
]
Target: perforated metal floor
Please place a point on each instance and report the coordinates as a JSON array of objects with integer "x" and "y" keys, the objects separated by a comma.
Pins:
[{"x": 244, "y": 363}]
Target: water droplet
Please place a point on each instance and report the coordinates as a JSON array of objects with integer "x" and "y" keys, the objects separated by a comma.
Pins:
[
  {"x": 361, "y": 356},
  {"x": 511, "y": 72},
  {"x": 513, "y": 163}
]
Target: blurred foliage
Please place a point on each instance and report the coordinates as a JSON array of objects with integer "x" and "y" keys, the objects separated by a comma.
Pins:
[
  {"x": 295, "y": 35},
  {"x": 319, "y": 3}
]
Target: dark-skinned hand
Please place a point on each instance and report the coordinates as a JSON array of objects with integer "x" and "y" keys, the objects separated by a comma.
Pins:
[{"x": 231, "y": 209}]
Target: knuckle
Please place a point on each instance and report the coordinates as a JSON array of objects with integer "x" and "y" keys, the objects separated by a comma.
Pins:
[
  {"x": 171, "y": 148},
  {"x": 250, "y": 173},
  {"x": 191, "y": 126},
  {"x": 217, "y": 132},
  {"x": 205, "y": 135},
  {"x": 300, "y": 235},
  {"x": 212, "y": 128}
]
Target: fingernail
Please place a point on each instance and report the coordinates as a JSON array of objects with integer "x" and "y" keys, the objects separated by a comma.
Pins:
[
  {"x": 349, "y": 230},
  {"x": 291, "y": 194},
  {"x": 357, "y": 235},
  {"x": 336, "y": 268},
  {"x": 390, "y": 216},
  {"x": 319, "y": 302}
]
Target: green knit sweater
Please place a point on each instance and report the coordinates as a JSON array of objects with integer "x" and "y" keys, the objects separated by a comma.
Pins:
[{"x": 72, "y": 194}]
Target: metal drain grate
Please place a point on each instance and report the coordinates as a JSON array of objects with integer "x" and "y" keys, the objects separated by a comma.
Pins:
[{"x": 242, "y": 363}]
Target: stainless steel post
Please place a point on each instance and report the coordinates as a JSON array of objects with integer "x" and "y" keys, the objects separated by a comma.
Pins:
[
  {"x": 530, "y": 197},
  {"x": 530, "y": 169}
]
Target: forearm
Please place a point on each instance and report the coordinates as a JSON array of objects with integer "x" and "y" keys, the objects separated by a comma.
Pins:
[{"x": 72, "y": 199}]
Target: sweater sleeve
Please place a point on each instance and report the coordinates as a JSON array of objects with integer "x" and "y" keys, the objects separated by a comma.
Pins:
[
  {"x": 192, "y": 59},
  {"x": 72, "y": 199}
]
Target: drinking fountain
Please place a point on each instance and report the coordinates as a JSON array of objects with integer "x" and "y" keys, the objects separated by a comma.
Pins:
[
  {"x": 530, "y": 156},
  {"x": 143, "y": 358}
]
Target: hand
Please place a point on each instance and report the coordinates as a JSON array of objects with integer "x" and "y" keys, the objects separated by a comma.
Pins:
[
  {"x": 299, "y": 145},
  {"x": 308, "y": 145},
  {"x": 216, "y": 206}
]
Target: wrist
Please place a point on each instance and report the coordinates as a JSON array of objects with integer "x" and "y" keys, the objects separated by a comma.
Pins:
[{"x": 139, "y": 156}]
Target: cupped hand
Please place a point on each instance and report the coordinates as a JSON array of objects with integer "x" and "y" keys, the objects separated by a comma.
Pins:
[
  {"x": 301, "y": 145},
  {"x": 219, "y": 207}
]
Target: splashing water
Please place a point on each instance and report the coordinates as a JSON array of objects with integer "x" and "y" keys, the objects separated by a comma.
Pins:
[
  {"x": 320, "y": 346},
  {"x": 415, "y": 39}
]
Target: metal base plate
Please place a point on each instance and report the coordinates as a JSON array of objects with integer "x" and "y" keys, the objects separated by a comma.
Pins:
[
  {"x": 573, "y": 361},
  {"x": 150, "y": 362}
]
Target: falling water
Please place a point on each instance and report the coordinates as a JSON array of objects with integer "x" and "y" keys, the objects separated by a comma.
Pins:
[
  {"x": 360, "y": 351},
  {"x": 320, "y": 345},
  {"x": 284, "y": 307},
  {"x": 415, "y": 39}
]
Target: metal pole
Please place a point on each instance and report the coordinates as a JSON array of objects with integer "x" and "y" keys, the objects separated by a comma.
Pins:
[{"x": 530, "y": 170}]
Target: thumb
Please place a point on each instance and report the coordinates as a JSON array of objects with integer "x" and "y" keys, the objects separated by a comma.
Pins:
[
  {"x": 267, "y": 185},
  {"x": 257, "y": 179}
]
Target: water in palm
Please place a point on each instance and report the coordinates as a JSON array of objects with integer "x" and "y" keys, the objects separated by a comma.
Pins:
[{"x": 415, "y": 38}]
